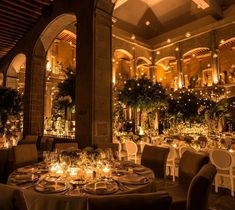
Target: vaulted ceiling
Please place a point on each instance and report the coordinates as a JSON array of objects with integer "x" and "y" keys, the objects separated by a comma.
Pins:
[{"x": 150, "y": 18}]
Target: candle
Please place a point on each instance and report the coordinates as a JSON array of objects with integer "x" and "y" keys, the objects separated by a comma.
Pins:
[
  {"x": 73, "y": 171},
  {"x": 89, "y": 173},
  {"x": 59, "y": 171},
  {"x": 7, "y": 144},
  {"x": 106, "y": 169}
]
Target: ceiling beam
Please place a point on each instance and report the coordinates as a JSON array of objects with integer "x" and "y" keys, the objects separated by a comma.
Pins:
[
  {"x": 17, "y": 15},
  {"x": 21, "y": 7},
  {"x": 215, "y": 9},
  {"x": 16, "y": 20},
  {"x": 19, "y": 11}
]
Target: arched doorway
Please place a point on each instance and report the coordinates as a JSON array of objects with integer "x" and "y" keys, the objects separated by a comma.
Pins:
[
  {"x": 15, "y": 77},
  {"x": 35, "y": 89}
]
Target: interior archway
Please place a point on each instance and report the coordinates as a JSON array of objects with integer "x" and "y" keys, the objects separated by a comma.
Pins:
[
  {"x": 15, "y": 77},
  {"x": 34, "y": 122}
]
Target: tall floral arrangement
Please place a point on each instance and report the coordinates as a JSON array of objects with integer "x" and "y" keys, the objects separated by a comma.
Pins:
[
  {"x": 65, "y": 98},
  {"x": 142, "y": 94}
]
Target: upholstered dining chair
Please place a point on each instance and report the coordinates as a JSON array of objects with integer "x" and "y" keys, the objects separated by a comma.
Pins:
[
  {"x": 189, "y": 165},
  {"x": 44, "y": 201},
  {"x": 184, "y": 148},
  {"x": 25, "y": 154},
  {"x": 198, "y": 193},
  {"x": 9, "y": 199},
  {"x": 132, "y": 150},
  {"x": 30, "y": 139},
  {"x": 148, "y": 201},
  {"x": 155, "y": 158},
  {"x": 66, "y": 146},
  {"x": 225, "y": 164}
]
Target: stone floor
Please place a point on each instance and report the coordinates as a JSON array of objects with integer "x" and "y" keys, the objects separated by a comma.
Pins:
[
  {"x": 221, "y": 200},
  {"x": 217, "y": 201}
]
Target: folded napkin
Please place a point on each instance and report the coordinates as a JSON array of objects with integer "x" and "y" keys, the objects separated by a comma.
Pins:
[
  {"x": 132, "y": 179},
  {"x": 27, "y": 170},
  {"x": 101, "y": 186}
]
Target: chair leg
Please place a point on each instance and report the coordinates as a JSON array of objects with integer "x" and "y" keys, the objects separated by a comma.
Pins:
[
  {"x": 216, "y": 183},
  {"x": 232, "y": 184},
  {"x": 173, "y": 172}
]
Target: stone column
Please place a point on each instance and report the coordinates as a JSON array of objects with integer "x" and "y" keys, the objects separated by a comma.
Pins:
[
  {"x": 179, "y": 67},
  {"x": 152, "y": 67},
  {"x": 34, "y": 96},
  {"x": 214, "y": 58},
  {"x": 94, "y": 77}
]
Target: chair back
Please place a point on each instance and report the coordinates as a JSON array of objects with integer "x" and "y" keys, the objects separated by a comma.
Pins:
[
  {"x": 190, "y": 164},
  {"x": 155, "y": 158},
  {"x": 113, "y": 146},
  {"x": 183, "y": 149},
  {"x": 221, "y": 158},
  {"x": 148, "y": 201},
  {"x": 66, "y": 146},
  {"x": 199, "y": 188},
  {"x": 131, "y": 148},
  {"x": 25, "y": 154},
  {"x": 39, "y": 201},
  {"x": 49, "y": 144},
  {"x": 143, "y": 144},
  {"x": 43, "y": 141},
  {"x": 232, "y": 146},
  {"x": 6, "y": 194},
  {"x": 30, "y": 139}
]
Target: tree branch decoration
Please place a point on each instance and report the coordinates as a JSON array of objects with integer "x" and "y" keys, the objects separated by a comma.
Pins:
[
  {"x": 142, "y": 94},
  {"x": 187, "y": 105}
]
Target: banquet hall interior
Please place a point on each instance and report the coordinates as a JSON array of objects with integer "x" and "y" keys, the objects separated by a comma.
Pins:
[{"x": 117, "y": 104}]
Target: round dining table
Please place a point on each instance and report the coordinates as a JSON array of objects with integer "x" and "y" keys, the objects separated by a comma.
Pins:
[{"x": 37, "y": 182}]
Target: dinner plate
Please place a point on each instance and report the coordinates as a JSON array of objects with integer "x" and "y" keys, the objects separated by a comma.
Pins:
[
  {"x": 22, "y": 178},
  {"x": 27, "y": 170},
  {"x": 51, "y": 187},
  {"x": 101, "y": 188}
]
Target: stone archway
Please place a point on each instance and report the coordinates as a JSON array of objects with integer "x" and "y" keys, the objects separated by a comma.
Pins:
[
  {"x": 14, "y": 69},
  {"x": 35, "y": 79}
]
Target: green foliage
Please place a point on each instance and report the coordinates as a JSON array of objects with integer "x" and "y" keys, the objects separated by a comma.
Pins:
[
  {"x": 187, "y": 105},
  {"x": 142, "y": 94},
  {"x": 11, "y": 103},
  {"x": 224, "y": 109},
  {"x": 66, "y": 91}
]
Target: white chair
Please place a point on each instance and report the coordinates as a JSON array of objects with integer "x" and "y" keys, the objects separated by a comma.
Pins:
[
  {"x": 172, "y": 160},
  {"x": 224, "y": 162},
  {"x": 121, "y": 153},
  {"x": 131, "y": 149},
  {"x": 232, "y": 147},
  {"x": 183, "y": 149}
]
